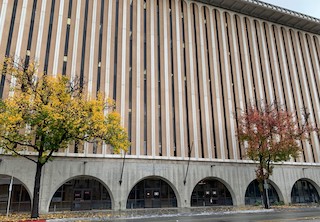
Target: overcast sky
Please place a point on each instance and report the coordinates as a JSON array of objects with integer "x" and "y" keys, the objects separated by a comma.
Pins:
[{"x": 308, "y": 7}]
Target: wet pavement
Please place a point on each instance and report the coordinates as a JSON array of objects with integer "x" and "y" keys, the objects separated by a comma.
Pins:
[
  {"x": 273, "y": 215},
  {"x": 301, "y": 215}
]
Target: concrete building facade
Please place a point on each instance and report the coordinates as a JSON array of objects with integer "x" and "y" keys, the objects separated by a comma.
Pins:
[{"x": 179, "y": 71}]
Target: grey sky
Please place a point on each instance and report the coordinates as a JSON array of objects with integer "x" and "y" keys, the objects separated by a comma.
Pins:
[{"x": 308, "y": 7}]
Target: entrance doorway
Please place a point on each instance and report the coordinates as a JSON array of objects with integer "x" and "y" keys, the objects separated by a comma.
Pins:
[
  {"x": 82, "y": 199},
  {"x": 152, "y": 199}
]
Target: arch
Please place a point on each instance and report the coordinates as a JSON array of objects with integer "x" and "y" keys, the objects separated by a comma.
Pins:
[
  {"x": 212, "y": 191},
  {"x": 284, "y": 31},
  {"x": 316, "y": 40},
  {"x": 206, "y": 9},
  {"x": 256, "y": 22},
  {"x": 153, "y": 192},
  {"x": 305, "y": 191},
  {"x": 307, "y": 36},
  {"x": 227, "y": 14},
  {"x": 253, "y": 194},
  {"x": 20, "y": 195},
  {"x": 82, "y": 192},
  {"x": 274, "y": 27},
  {"x": 316, "y": 44},
  {"x": 236, "y": 17}
]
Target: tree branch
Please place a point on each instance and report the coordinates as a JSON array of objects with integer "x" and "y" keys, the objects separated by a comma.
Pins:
[
  {"x": 84, "y": 138},
  {"x": 64, "y": 136},
  {"x": 268, "y": 166},
  {"x": 49, "y": 155},
  {"x": 19, "y": 143},
  {"x": 19, "y": 154}
]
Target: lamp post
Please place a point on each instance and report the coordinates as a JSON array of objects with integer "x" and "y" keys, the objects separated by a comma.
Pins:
[
  {"x": 124, "y": 159},
  {"x": 189, "y": 154},
  {"x": 9, "y": 198},
  {"x": 266, "y": 187}
]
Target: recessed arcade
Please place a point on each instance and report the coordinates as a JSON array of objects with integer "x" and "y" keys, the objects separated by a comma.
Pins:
[
  {"x": 211, "y": 192},
  {"x": 20, "y": 200},
  {"x": 305, "y": 191},
  {"x": 152, "y": 192},
  {"x": 81, "y": 193},
  {"x": 253, "y": 194}
]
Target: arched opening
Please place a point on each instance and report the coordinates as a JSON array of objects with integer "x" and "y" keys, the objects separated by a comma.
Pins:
[
  {"x": 210, "y": 192},
  {"x": 20, "y": 198},
  {"x": 304, "y": 192},
  {"x": 81, "y": 193},
  {"x": 253, "y": 195},
  {"x": 151, "y": 193}
]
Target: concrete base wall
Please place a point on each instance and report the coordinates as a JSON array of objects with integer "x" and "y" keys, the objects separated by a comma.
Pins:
[{"x": 235, "y": 176}]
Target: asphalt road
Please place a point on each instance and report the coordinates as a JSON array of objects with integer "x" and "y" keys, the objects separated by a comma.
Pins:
[{"x": 301, "y": 215}]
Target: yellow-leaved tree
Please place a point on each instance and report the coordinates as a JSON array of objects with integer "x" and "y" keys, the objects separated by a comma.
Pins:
[{"x": 44, "y": 114}]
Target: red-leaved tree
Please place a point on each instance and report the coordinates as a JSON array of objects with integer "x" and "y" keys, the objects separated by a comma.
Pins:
[{"x": 271, "y": 134}]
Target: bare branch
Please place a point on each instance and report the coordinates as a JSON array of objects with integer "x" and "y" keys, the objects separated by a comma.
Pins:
[
  {"x": 20, "y": 144},
  {"x": 19, "y": 154}
]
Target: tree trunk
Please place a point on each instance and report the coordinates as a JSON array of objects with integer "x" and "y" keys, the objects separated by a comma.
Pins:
[
  {"x": 36, "y": 192},
  {"x": 264, "y": 195},
  {"x": 261, "y": 179}
]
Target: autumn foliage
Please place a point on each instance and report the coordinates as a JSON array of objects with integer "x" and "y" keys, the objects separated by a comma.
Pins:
[
  {"x": 44, "y": 114},
  {"x": 271, "y": 134}
]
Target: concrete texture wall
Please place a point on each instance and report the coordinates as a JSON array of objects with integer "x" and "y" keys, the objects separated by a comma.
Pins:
[
  {"x": 235, "y": 176},
  {"x": 178, "y": 70}
]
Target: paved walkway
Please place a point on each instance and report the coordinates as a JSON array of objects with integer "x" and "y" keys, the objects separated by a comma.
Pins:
[{"x": 156, "y": 214}]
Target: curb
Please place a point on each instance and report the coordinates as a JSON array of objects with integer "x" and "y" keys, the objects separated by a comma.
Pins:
[{"x": 35, "y": 220}]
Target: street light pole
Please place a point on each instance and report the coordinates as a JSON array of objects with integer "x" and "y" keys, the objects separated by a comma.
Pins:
[
  {"x": 266, "y": 187},
  {"x": 9, "y": 198}
]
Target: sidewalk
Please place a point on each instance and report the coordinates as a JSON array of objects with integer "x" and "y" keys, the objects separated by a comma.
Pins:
[{"x": 109, "y": 215}]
